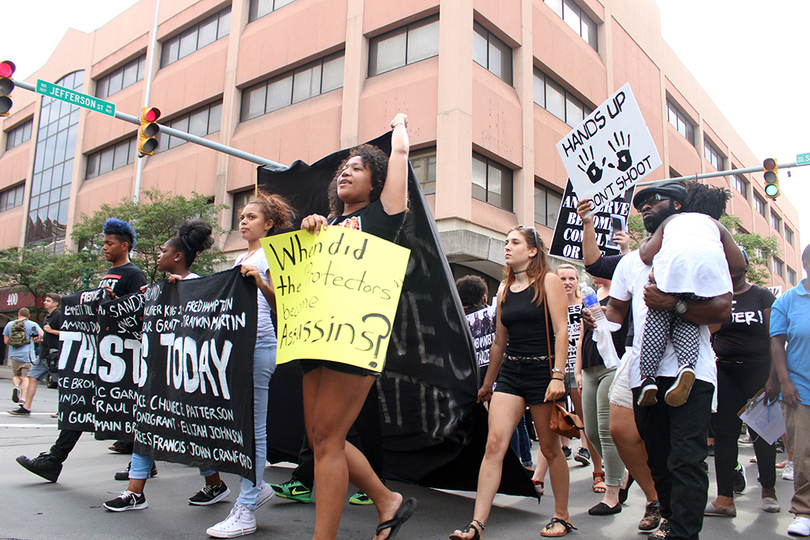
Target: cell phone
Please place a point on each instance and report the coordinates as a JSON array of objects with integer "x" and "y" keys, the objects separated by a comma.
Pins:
[{"x": 616, "y": 224}]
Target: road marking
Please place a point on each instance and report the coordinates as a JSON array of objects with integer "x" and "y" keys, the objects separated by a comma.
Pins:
[{"x": 26, "y": 426}]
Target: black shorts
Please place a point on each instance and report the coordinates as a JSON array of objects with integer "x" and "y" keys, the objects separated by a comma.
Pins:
[
  {"x": 527, "y": 380},
  {"x": 311, "y": 365}
]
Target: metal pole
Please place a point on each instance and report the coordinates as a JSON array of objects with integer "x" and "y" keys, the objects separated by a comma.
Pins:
[
  {"x": 139, "y": 167},
  {"x": 719, "y": 173}
]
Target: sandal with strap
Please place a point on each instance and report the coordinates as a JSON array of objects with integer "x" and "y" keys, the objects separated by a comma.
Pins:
[
  {"x": 599, "y": 478},
  {"x": 475, "y": 526},
  {"x": 652, "y": 517},
  {"x": 567, "y": 528}
]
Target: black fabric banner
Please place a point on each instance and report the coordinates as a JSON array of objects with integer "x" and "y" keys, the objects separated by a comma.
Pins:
[
  {"x": 119, "y": 366},
  {"x": 432, "y": 427},
  {"x": 196, "y": 399},
  {"x": 77, "y": 360},
  {"x": 567, "y": 240}
]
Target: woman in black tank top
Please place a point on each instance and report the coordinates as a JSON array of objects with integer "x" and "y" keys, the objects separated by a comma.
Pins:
[{"x": 519, "y": 360}]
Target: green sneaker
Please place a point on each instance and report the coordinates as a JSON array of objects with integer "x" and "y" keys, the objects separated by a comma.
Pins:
[
  {"x": 293, "y": 490},
  {"x": 360, "y": 499}
]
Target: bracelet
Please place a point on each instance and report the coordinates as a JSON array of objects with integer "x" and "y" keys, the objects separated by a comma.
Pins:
[{"x": 557, "y": 379}]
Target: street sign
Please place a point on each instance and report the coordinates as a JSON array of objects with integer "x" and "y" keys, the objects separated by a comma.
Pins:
[
  {"x": 803, "y": 159},
  {"x": 82, "y": 100}
]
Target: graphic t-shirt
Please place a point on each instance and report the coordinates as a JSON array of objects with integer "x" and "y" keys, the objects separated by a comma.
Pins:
[
  {"x": 124, "y": 279},
  {"x": 372, "y": 219},
  {"x": 746, "y": 337},
  {"x": 574, "y": 328}
]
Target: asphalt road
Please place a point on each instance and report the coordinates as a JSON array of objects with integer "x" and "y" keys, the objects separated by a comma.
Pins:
[{"x": 31, "y": 508}]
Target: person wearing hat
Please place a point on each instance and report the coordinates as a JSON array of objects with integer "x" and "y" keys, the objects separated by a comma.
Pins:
[{"x": 675, "y": 437}]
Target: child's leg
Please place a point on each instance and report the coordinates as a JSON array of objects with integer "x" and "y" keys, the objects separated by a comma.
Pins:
[
  {"x": 654, "y": 341},
  {"x": 686, "y": 341}
]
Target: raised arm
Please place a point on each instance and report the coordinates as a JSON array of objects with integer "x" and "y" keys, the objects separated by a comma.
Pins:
[
  {"x": 590, "y": 250},
  {"x": 394, "y": 196}
]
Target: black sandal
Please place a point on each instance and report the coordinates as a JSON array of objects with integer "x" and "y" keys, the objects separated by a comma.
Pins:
[
  {"x": 554, "y": 521},
  {"x": 406, "y": 510},
  {"x": 468, "y": 528}
]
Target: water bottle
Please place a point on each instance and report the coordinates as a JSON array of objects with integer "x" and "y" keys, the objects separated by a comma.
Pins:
[{"x": 592, "y": 303}]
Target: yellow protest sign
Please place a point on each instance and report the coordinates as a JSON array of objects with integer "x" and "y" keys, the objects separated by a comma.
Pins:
[{"x": 336, "y": 295}]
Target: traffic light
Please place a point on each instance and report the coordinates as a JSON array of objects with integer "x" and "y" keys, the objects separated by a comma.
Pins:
[
  {"x": 771, "y": 176},
  {"x": 6, "y": 86},
  {"x": 147, "y": 134}
]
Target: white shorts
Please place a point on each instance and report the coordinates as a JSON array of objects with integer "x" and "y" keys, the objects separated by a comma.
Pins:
[{"x": 620, "y": 393}]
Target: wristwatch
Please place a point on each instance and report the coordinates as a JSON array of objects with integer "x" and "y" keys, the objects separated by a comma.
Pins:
[
  {"x": 555, "y": 370},
  {"x": 680, "y": 307}
]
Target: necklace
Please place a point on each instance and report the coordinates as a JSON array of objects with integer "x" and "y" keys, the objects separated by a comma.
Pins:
[{"x": 518, "y": 271}]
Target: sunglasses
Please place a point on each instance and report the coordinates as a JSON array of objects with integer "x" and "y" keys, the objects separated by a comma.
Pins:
[
  {"x": 536, "y": 239},
  {"x": 652, "y": 199}
]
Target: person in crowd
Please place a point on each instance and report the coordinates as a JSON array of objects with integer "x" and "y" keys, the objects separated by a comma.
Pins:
[
  {"x": 675, "y": 437},
  {"x": 48, "y": 352},
  {"x": 473, "y": 292},
  {"x": 123, "y": 278},
  {"x": 790, "y": 353},
  {"x": 176, "y": 257},
  {"x": 623, "y": 428},
  {"x": 530, "y": 299},
  {"x": 19, "y": 336},
  {"x": 369, "y": 193},
  {"x": 743, "y": 351}
]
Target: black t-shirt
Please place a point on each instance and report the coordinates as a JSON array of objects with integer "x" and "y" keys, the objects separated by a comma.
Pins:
[
  {"x": 526, "y": 324},
  {"x": 604, "y": 266},
  {"x": 746, "y": 337},
  {"x": 51, "y": 341},
  {"x": 123, "y": 279},
  {"x": 372, "y": 219},
  {"x": 590, "y": 354}
]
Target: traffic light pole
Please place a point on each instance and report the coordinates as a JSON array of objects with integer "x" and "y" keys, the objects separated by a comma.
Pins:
[
  {"x": 719, "y": 173},
  {"x": 185, "y": 136}
]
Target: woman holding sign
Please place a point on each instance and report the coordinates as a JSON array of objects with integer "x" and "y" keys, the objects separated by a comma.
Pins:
[
  {"x": 369, "y": 193},
  {"x": 531, "y": 304}
]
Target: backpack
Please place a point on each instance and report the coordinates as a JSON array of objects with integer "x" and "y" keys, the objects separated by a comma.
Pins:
[{"x": 18, "y": 336}]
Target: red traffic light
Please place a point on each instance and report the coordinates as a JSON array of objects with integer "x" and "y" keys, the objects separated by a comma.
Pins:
[
  {"x": 7, "y": 68},
  {"x": 152, "y": 114},
  {"x": 769, "y": 164}
]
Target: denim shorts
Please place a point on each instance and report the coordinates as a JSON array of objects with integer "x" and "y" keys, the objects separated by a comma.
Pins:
[
  {"x": 528, "y": 380},
  {"x": 311, "y": 365}
]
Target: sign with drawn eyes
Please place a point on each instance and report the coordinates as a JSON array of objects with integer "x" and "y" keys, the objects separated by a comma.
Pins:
[{"x": 610, "y": 150}]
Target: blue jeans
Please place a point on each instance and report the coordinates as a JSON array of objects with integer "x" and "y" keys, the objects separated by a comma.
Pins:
[
  {"x": 520, "y": 443},
  {"x": 140, "y": 466}
]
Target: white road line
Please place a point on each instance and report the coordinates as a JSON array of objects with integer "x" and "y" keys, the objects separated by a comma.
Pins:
[{"x": 26, "y": 426}]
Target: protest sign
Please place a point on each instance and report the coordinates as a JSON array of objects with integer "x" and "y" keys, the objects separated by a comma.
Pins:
[
  {"x": 119, "y": 362},
  {"x": 610, "y": 151},
  {"x": 195, "y": 402},
  {"x": 482, "y": 326},
  {"x": 336, "y": 295},
  {"x": 567, "y": 240},
  {"x": 77, "y": 360}
]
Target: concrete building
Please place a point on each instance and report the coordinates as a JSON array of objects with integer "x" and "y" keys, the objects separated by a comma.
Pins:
[{"x": 489, "y": 85}]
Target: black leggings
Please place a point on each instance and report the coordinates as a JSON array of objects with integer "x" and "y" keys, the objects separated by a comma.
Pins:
[{"x": 737, "y": 382}]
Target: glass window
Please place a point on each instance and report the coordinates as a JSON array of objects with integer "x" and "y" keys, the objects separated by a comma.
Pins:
[
  {"x": 332, "y": 76},
  {"x": 555, "y": 99},
  {"x": 791, "y": 276},
  {"x": 198, "y": 36},
  {"x": 713, "y": 155},
  {"x": 121, "y": 156},
  {"x": 776, "y": 223},
  {"x": 240, "y": 200},
  {"x": 424, "y": 167},
  {"x": 492, "y": 182},
  {"x": 546, "y": 205},
  {"x": 306, "y": 82},
  {"x": 558, "y": 101},
  {"x": 253, "y": 100},
  {"x": 778, "y": 267},
  {"x": 576, "y": 18},
  {"x": 404, "y": 46},
  {"x": 105, "y": 160},
  {"x": 788, "y": 235},
  {"x": 260, "y": 8},
  {"x": 12, "y": 197},
  {"x": 740, "y": 185},
  {"x": 200, "y": 122},
  {"x": 19, "y": 135},
  {"x": 279, "y": 93},
  {"x": 759, "y": 204},
  {"x": 498, "y": 55},
  {"x": 207, "y": 32},
  {"x": 680, "y": 122}
]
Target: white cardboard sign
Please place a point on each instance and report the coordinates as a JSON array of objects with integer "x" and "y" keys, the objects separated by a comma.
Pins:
[{"x": 610, "y": 150}]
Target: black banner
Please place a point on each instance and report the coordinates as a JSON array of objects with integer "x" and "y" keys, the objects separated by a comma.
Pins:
[
  {"x": 77, "y": 360},
  {"x": 196, "y": 401},
  {"x": 567, "y": 241},
  {"x": 119, "y": 366}
]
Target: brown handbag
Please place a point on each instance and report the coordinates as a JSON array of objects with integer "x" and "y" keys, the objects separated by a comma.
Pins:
[{"x": 561, "y": 421}]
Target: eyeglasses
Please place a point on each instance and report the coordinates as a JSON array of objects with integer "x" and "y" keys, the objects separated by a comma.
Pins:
[{"x": 652, "y": 199}]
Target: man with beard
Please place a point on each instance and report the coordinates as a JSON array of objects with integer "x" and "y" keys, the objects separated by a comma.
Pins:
[{"x": 675, "y": 437}]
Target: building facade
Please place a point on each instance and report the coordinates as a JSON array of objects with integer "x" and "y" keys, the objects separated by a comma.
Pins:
[{"x": 489, "y": 86}]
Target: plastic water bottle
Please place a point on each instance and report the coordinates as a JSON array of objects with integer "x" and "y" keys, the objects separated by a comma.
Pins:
[{"x": 592, "y": 303}]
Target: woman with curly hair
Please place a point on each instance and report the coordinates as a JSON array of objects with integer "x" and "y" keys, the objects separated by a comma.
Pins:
[{"x": 369, "y": 193}]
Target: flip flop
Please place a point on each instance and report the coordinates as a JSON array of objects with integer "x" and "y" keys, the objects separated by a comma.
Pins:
[{"x": 406, "y": 510}]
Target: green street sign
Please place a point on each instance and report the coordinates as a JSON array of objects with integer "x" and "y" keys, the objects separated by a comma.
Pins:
[
  {"x": 802, "y": 159},
  {"x": 82, "y": 100}
]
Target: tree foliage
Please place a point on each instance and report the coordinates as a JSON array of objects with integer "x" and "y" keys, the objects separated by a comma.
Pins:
[{"x": 37, "y": 271}]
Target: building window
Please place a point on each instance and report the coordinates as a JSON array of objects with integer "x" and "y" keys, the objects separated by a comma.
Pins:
[
  {"x": 126, "y": 75},
  {"x": 215, "y": 27},
  {"x": 293, "y": 86},
  {"x": 759, "y": 205},
  {"x": 791, "y": 276},
  {"x": 53, "y": 165},
  {"x": 260, "y": 8},
  {"x": 424, "y": 166},
  {"x": 776, "y": 222},
  {"x": 12, "y": 197},
  {"x": 491, "y": 182},
  {"x": 778, "y": 267},
  {"x": 240, "y": 200},
  {"x": 788, "y": 235},
  {"x": 680, "y": 122},
  {"x": 404, "y": 46},
  {"x": 573, "y": 15},
  {"x": 546, "y": 205},
  {"x": 556, "y": 100},
  {"x": 713, "y": 155},
  {"x": 111, "y": 158},
  {"x": 199, "y": 122},
  {"x": 19, "y": 135},
  {"x": 492, "y": 53},
  {"x": 740, "y": 185}
]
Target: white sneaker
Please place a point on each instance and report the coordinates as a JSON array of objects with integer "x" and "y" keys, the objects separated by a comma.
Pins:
[
  {"x": 265, "y": 495},
  {"x": 771, "y": 505},
  {"x": 799, "y": 527},
  {"x": 787, "y": 473},
  {"x": 240, "y": 522}
]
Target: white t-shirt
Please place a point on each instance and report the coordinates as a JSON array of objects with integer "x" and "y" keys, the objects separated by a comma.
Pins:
[
  {"x": 628, "y": 283},
  {"x": 264, "y": 325}
]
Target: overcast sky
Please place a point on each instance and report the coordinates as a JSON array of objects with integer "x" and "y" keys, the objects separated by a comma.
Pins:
[{"x": 747, "y": 54}]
